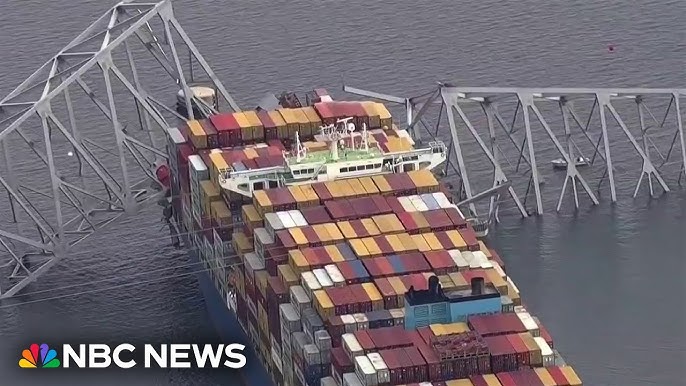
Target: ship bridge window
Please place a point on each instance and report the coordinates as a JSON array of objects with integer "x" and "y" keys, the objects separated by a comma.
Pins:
[
  {"x": 309, "y": 171},
  {"x": 258, "y": 186},
  {"x": 273, "y": 184},
  {"x": 296, "y": 172},
  {"x": 369, "y": 167}
]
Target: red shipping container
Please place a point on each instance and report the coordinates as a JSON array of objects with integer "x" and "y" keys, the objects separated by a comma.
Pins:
[
  {"x": 440, "y": 261},
  {"x": 362, "y": 302},
  {"x": 469, "y": 238},
  {"x": 384, "y": 245},
  {"x": 503, "y": 356},
  {"x": 421, "y": 373},
  {"x": 427, "y": 334},
  {"x": 408, "y": 222},
  {"x": 390, "y": 299},
  {"x": 557, "y": 375},
  {"x": 226, "y": 125},
  {"x": 341, "y": 362},
  {"x": 381, "y": 203},
  {"x": 530, "y": 377},
  {"x": 394, "y": 365},
  {"x": 270, "y": 131},
  {"x": 545, "y": 334},
  {"x": 285, "y": 239},
  {"x": 365, "y": 341},
  {"x": 407, "y": 374},
  {"x": 385, "y": 267},
  {"x": 438, "y": 220},
  {"x": 456, "y": 218},
  {"x": 496, "y": 257},
  {"x": 316, "y": 215},
  {"x": 311, "y": 236},
  {"x": 432, "y": 362},
  {"x": 506, "y": 379},
  {"x": 523, "y": 354},
  {"x": 336, "y": 328},
  {"x": 359, "y": 228},
  {"x": 478, "y": 380},
  {"x": 322, "y": 191},
  {"x": 395, "y": 205}
]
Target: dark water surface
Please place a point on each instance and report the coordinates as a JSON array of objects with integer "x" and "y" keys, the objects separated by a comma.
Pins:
[{"x": 607, "y": 282}]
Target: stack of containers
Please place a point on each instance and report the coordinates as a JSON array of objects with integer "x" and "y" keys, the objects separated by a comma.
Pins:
[{"x": 352, "y": 250}]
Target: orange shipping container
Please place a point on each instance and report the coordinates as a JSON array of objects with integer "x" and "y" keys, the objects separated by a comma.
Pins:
[
  {"x": 310, "y": 195},
  {"x": 280, "y": 123},
  {"x": 313, "y": 117},
  {"x": 334, "y": 253},
  {"x": 545, "y": 376},
  {"x": 456, "y": 238},
  {"x": 424, "y": 180},
  {"x": 334, "y": 189},
  {"x": 370, "y": 110},
  {"x": 357, "y": 187},
  {"x": 384, "y": 115},
  {"x": 371, "y": 227},
  {"x": 491, "y": 380},
  {"x": 348, "y": 191},
  {"x": 421, "y": 243},
  {"x": 305, "y": 129},
  {"x": 371, "y": 246},
  {"x": 257, "y": 130},
  {"x": 369, "y": 185},
  {"x": 323, "y": 304},
  {"x": 432, "y": 241},
  {"x": 219, "y": 166},
  {"x": 382, "y": 184},
  {"x": 250, "y": 153},
  {"x": 358, "y": 248},
  {"x": 322, "y": 233},
  {"x": 297, "y": 261},
  {"x": 395, "y": 243},
  {"x": 420, "y": 221},
  {"x": 262, "y": 202},
  {"x": 243, "y": 122},
  {"x": 335, "y": 234},
  {"x": 374, "y": 295},
  {"x": 571, "y": 375},
  {"x": 198, "y": 135},
  {"x": 292, "y": 122},
  {"x": 299, "y": 237},
  {"x": 459, "y": 382},
  {"x": 287, "y": 275},
  {"x": 346, "y": 229},
  {"x": 298, "y": 195},
  {"x": 398, "y": 285},
  {"x": 459, "y": 280},
  {"x": 407, "y": 241}
]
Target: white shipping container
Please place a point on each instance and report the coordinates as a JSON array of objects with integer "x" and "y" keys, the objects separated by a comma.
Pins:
[
  {"x": 351, "y": 345},
  {"x": 407, "y": 204},
  {"x": 276, "y": 359},
  {"x": 351, "y": 379},
  {"x": 335, "y": 275},
  {"x": 460, "y": 262},
  {"x": 398, "y": 315},
  {"x": 519, "y": 309},
  {"x": 442, "y": 200},
  {"x": 312, "y": 355},
  {"x": 298, "y": 218},
  {"x": 349, "y": 321},
  {"x": 299, "y": 298},
  {"x": 361, "y": 321},
  {"x": 426, "y": 384},
  {"x": 546, "y": 352},
  {"x": 365, "y": 371},
  {"x": 418, "y": 203},
  {"x": 404, "y": 134},
  {"x": 309, "y": 282},
  {"x": 286, "y": 220},
  {"x": 328, "y": 381},
  {"x": 175, "y": 135},
  {"x": 252, "y": 265},
  {"x": 382, "y": 373},
  {"x": 471, "y": 260},
  {"x": 272, "y": 223},
  {"x": 198, "y": 170},
  {"x": 529, "y": 323},
  {"x": 261, "y": 240},
  {"x": 322, "y": 277},
  {"x": 483, "y": 259}
]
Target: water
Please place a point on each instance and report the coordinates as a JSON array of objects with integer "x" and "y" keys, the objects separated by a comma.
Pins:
[{"x": 608, "y": 282}]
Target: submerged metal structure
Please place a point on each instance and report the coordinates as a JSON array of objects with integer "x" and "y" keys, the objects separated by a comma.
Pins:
[
  {"x": 64, "y": 175},
  {"x": 565, "y": 117}
]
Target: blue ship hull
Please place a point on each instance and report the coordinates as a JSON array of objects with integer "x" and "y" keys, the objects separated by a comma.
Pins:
[{"x": 228, "y": 328}]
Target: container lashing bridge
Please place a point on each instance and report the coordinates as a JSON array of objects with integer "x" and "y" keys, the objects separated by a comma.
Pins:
[{"x": 83, "y": 136}]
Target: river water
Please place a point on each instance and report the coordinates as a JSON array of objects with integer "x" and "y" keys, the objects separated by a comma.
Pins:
[{"x": 607, "y": 282}]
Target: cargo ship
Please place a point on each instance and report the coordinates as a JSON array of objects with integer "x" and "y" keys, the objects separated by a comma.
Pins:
[{"x": 332, "y": 251}]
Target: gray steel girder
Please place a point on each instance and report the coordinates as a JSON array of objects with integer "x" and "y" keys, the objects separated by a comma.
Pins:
[{"x": 49, "y": 223}]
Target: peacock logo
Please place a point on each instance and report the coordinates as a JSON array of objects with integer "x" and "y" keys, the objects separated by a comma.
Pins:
[{"x": 39, "y": 356}]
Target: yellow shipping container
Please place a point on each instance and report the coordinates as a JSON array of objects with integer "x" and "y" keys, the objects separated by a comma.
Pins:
[
  {"x": 310, "y": 195},
  {"x": 545, "y": 376},
  {"x": 358, "y": 248},
  {"x": 221, "y": 213},
  {"x": 512, "y": 293},
  {"x": 335, "y": 234},
  {"x": 456, "y": 328},
  {"x": 369, "y": 185},
  {"x": 298, "y": 195},
  {"x": 256, "y": 125},
  {"x": 534, "y": 350},
  {"x": 297, "y": 261},
  {"x": 407, "y": 241},
  {"x": 457, "y": 239},
  {"x": 432, "y": 241},
  {"x": 198, "y": 135},
  {"x": 459, "y": 280},
  {"x": 459, "y": 382},
  {"x": 280, "y": 123},
  {"x": 322, "y": 233},
  {"x": 384, "y": 115},
  {"x": 218, "y": 166},
  {"x": 446, "y": 282},
  {"x": 261, "y": 281},
  {"x": 241, "y": 244},
  {"x": 348, "y": 191},
  {"x": 398, "y": 285},
  {"x": 495, "y": 278},
  {"x": 357, "y": 186},
  {"x": 299, "y": 237},
  {"x": 420, "y": 220},
  {"x": 424, "y": 180},
  {"x": 242, "y": 120},
  {"x": 287, "y": 275},
  {"x": 374, "y": 296},
  {"x": 371, "y": 246},
  {"x": 382, "y": 184},
  {"x": 395, "y": 243},
  {"x": 421, "y": 243},
  {"x": 347, "y": 229},
  {"x": 370, "y": 226},
  {"x": 438, "y": 329},
  {"x": 492, "y": 380},
  {"x": 370, "y": 110},
  {"x": 571, "y": 375},
  {"x": 313, "y": 117},
  {"x": 334, "y": 189},
  {"x": 250, "y": 214},
  {"x": 250, "y": 153},
  {"x": 305, "y": 125},
  {"x": 323, "y": 304},
  {"x": 262, "y": 202},
  {"x": 334, "y": 253},
  {"x": 292, "y": 122}
]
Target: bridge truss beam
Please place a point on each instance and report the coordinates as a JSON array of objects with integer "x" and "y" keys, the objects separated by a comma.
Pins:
[
  {"x": 551, "y": 116},
  {"x": 86, "y": 191}
]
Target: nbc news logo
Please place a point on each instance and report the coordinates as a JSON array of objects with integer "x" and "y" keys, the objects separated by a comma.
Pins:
[{"x": 175, "y": 356}]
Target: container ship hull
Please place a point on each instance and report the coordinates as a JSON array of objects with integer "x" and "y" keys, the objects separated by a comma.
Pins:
[{"x": 338, "y": 259}]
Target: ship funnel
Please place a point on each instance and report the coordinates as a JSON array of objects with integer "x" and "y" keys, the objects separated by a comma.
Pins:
[
  {"x": 434, "y": 285},
  {"x": 477, "y": 286}
]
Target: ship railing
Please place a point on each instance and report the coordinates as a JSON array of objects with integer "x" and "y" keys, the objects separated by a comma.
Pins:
[
  {"x": 269, "y": 172},
  {"x": 437, "y": 147}
]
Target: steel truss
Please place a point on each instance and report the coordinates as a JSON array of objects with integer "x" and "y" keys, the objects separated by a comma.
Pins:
[
  {"x": 456, "y": 103},
  {"x": 87, "y": 192}
]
